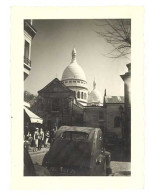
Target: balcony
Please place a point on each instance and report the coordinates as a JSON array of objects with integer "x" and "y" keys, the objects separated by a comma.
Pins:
[
  {"x": 29, "y": 28},
  {"x": 27, "y": 61}
]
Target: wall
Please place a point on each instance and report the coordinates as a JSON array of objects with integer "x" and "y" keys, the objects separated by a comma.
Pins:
[
  {"x": 94, "y": 116},
  {"x": 112, "y": 111}
]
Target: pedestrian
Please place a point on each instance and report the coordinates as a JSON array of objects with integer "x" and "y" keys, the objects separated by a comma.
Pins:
[
  {"x": 28, "y": 135},
  {"x": 52, "y": 135},
  {"x": 47, "y": 136},
  {"x": 41, "y": 139},
  {"x": 30, "y": 139},
  {"x": 36, "y": 137}
]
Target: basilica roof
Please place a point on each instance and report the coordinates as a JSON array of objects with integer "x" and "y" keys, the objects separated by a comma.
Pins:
[
  {"x": 95, "y": 96},
  {"x": 73, "y": 70},
  {"x": 114, "y": 99}
]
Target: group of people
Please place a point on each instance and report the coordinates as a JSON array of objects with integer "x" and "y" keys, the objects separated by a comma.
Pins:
[{"x": 39, "y": 138}]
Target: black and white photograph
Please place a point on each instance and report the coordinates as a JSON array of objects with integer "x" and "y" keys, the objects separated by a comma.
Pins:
[{"x": 77, "y": 97}]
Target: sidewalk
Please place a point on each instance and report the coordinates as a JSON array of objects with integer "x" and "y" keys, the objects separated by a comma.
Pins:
[
  {"x": 121, "y": 168},
  {"x": 43, "y": 150}
]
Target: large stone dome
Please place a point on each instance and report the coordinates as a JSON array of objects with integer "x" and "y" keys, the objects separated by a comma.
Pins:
[
  {"x": 74, "y": 78},
  {"x": 95, "y": 98},
  {"x": 73, "y": 70}
]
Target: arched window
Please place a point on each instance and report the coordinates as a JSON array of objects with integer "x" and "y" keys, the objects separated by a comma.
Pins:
[
  {"x": 78, "y": 94},
  {"x": 81, "y": 95},
  {"x": 117, "y": 122}
]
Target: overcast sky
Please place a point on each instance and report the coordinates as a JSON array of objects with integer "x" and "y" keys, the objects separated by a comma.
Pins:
[{"x": 51, "y": 53}]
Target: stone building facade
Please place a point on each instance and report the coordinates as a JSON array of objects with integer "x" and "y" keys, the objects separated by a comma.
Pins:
[
  {"x": 114, "y": 119},
  {"x": 57, "y": 105},
  {"x": 127, "y": 110},
  {"x": 29, "y": 33}
]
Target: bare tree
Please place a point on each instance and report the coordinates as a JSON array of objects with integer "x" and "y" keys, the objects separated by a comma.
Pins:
[{"x": 116, "y": 32}]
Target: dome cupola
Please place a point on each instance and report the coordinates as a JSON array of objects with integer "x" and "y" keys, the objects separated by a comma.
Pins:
[
  {"x": 94, "y": 98},
  {"x": 74, "y": 78},
  {"x": 73, "y": 70}
]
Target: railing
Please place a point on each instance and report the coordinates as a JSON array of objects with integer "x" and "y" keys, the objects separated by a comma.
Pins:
[{"x": 27, "y": 61}]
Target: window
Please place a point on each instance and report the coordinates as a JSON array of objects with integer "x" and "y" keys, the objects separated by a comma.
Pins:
[
  {"x": 77, "y": 136},
  {"x": 26, "y": 49},
  {"x": 117, "y": 122},
  {"x": 82, "y": 95},
  {"x": 78, "y": 94},
  {"x": 70, "y": 81},
  {"x": 74, "y": 81},
  {"x": 78, "y": 81},
  {"x": 66, "y": 81}
]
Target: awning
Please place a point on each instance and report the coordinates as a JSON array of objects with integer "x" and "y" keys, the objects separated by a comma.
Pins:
[{"x": 33, "y": 117}]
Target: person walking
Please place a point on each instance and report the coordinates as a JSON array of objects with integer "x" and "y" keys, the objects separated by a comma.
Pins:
[
  {"x": 30, "y": 139},
  {"x": 52, "y": 134},
  {"x": 41, "y": 139},
  {"x": 36, "y": 137},
  {"x": 47, "y": 136}
]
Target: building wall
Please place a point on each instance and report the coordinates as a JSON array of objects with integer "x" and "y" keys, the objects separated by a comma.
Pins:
[
  {"x": 81, "y": 90},
  {"x": 57, "y": 108},
  {"x": 94, "y": 116},
  {"x": 27, "y": 55},
  {"x": 113, "y": 120},
  {"x": 80, "y": 87}
]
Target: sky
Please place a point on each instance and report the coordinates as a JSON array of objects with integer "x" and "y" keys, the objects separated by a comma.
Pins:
[{"x": 51, "y": 54}]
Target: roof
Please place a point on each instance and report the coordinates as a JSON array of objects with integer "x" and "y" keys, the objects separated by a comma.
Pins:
[
  {"x": 52, "y": 84},
  {"x": 114, "y": 99}
]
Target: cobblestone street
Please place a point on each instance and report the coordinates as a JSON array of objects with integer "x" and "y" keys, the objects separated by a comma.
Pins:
[{"x": 118, "y": 168}]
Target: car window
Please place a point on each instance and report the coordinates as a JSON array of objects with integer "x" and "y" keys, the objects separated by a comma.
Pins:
[{"x": 69, "y": 135}]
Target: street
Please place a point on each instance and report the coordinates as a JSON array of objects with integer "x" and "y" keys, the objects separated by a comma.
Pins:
[{"x": 118, "y": 168}]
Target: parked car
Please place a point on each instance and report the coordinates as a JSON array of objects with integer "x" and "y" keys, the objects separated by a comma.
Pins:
[{"x": 77, "y": 151}]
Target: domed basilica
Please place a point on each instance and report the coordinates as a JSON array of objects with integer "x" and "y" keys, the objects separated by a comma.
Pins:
[
  {"x": 68, "y": 102},
  {"x": 74, "y": 78}
]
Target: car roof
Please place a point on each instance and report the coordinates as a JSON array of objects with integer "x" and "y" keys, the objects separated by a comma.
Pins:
[
  {"x": 78, "y": 129},
  {"x": 88, "y": 130}
]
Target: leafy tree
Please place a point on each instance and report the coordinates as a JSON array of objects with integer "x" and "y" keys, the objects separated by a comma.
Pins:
[{"x": 30, "y": 98}]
